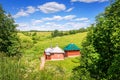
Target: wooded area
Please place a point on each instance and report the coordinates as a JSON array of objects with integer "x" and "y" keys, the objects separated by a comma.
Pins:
[{"x": 101, "y": 51}]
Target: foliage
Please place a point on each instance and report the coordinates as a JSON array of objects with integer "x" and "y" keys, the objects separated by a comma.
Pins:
[
  {"x": 71, "y": 62},
  {"x": 14, "y": 69},
  {"x": 87, "y": 59},
  {"x": 56, "y": 33},
  {"x": 10, "y": 68},
  {"x": 31, "y": 62},
  {"x": 39, "y": 47},
  {"x": 9, "y": 42},
  {"x": 102, "y": 47},
  {"x": 72, "y": 32}
]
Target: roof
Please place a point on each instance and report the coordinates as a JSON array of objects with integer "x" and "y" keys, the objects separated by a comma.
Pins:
[
  {"x": 47, "y": 53},
  {"x": 70, "y": 47},
  {"x": 57, "y": 50},
  {"x": 48, "y": 50}
]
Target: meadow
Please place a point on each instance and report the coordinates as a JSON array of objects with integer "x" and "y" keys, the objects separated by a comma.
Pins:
[{"x": 33, "y": 45}]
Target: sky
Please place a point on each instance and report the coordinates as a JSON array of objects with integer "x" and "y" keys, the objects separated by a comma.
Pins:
[{"x": 44, "y": 15}]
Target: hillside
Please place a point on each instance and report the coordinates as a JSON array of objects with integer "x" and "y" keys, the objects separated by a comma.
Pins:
[
  {"x": 32, "y": 47},
  {"x": 32, "y": 53},
  {"x": 39, "y": 47}
]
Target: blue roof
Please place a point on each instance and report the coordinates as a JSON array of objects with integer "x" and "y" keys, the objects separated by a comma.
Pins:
[{"x": 70, "y": 47}]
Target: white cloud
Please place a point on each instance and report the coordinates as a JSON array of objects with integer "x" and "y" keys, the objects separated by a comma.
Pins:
[
  {"x": 53, "y": 26},
  {"x": 69, "y": 17},
  {"x": 67, "y": 22},
  {"x": 30, "y": 9},
  {"x": 26, "y": 12},
  {"x": 52, "y": 7},
  {"x": 54, "y": 18},
  {"x": 88, "y": 1},
  {"x": 58, "y": 18},
  {"x": 22, "y": 24},
  {"x": 75, "y": 25},
  {"x": 20, "y": 13},
  {"x": 35, "y": 22},
  {"x": 81, "y": 19},
  {"x": 70, "y": 9},
  {"x": 65, "y": 26}
]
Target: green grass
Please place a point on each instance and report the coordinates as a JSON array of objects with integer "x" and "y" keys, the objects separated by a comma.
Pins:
[
  {"x": 67, "y": 64},
  {"x": 10, "y": 69},
  {"x": 64, "y": 66},
  {"x": 31, "y": 56},
  {"x": 61, "y": 41},
  {"x": 32, "y": 51}
]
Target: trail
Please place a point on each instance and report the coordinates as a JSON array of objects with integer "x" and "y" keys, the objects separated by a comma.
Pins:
[{"x": 42, "y": 64}]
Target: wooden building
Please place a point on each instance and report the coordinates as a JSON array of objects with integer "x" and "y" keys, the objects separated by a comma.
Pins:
[
  {"x": 71, "y": 50},
  {"x": 54, "y": 53}
]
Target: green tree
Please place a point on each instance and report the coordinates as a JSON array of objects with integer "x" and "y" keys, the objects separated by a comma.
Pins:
[
  {"x": 55, "y": 33},
  {"x": 72, "y": 31},
  {"x": 87, "y": 59},
  {"x": 100, "y": 53},
  {"x": 82, "y": 30},
  {"x": 61, "y": 33},
  {"x": 9, "y": 42}
]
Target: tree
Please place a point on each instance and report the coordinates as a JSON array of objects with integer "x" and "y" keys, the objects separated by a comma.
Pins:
[
  {"x": 9, "y": 42},
  {"x": 100, "y": 53},
  {"x": 87, "y": 59},
  {"x": 61, "y": 33},
  {"x": 82, "y": 30},
  {"x": 72, "y": 31},
  {"x": 55, "y": 33}
]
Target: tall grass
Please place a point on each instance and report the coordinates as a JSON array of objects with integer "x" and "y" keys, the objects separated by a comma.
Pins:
[
  {"x": 10, "y": 69},
  {"x": 13, "y": 69}
]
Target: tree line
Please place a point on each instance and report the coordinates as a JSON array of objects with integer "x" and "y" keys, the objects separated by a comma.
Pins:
[{"x": 56, "y": 33}]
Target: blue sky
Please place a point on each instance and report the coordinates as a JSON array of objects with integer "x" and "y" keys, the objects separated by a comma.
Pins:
[{"x": 53, "y": 14}]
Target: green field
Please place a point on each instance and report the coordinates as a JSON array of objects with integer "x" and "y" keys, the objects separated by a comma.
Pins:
[
  {"x": 31, "y": 54},
  {"x": 32, "y": 50}
]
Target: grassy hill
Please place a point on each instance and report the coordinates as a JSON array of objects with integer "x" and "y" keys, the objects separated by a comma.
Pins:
[
  {"x": 31, "y": 54},
  {"x": 39, "y": 47},
  {"x": 33, "y": 46}
]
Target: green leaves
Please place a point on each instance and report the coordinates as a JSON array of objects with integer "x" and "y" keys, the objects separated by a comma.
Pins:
[
  {"x": 9, "y": 42},
  {"x": 101, "y": 49}
]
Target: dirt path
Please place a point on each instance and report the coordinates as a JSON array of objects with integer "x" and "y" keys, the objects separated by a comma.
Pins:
[{"x": 42, "y": 64}]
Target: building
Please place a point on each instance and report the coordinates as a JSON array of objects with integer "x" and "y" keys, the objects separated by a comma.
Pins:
[
  {"x": 71, "y": 50},
  {"x": 54, "y": 53},
  {"x": 47, "y": 53}
]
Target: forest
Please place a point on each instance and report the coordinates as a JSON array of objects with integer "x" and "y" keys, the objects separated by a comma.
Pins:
[{"x": 99, "y": 45}]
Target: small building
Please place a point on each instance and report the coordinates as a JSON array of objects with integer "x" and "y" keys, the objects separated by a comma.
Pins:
[
  {"x": 47, "y": 53},
  {"x": 54, "y": 53},
  {"x": 71, "y": 50}
]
